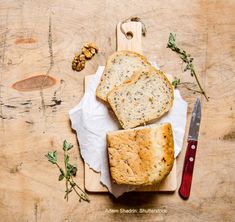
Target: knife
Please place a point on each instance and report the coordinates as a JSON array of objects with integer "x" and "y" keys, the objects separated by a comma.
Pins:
[{"x": 185, "y": 187}]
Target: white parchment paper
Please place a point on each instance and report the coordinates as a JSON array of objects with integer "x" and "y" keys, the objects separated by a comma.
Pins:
[{"x": 91, "y": 120}]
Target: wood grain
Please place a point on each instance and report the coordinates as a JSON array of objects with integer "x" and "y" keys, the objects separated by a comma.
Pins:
[{"x": 31, "y": 123}]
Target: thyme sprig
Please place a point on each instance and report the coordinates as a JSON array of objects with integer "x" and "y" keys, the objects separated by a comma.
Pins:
[
  {"x": 186, "y": 58},
  {"x": 67, "y": 173}
]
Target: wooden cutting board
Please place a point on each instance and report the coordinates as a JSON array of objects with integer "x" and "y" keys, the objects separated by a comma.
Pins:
[{"x": 133, "y": 43}]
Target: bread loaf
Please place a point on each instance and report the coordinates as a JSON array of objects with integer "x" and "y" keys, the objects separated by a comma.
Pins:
[{"x": 141, "y": 156}]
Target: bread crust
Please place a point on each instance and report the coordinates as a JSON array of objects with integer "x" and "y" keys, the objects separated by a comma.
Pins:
[
  {"x": 141, "y": 156},
  {"x": 135, "y": 77},
  {"x": 108, "y": 64}
]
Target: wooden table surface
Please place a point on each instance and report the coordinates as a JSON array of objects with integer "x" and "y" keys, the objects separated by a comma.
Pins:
[{"x": 39, "y": 37}]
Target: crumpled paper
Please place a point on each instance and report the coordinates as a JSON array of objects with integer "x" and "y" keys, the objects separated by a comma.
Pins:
[{"x": 91, "y": 120}]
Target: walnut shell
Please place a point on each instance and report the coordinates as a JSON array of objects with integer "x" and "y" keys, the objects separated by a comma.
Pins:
[
  {"x": 86, "y": 52},
  {"x": 91, "y": 46}
]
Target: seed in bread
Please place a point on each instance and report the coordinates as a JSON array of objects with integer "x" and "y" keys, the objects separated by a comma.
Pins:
[
  {"x": 141, "y": 156},
  {"x": 119, "y": 67},
  {"x": 145, "y": 97}
]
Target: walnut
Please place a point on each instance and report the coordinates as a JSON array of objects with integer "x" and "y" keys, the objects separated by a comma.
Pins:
[
  {"x": 78, "y": 62},
  {"x": 88, "y": 51},
  {"x": 82, "y": 57},
  {"x": 91, "y": 46},
  {"x": 93, "y": 51}
]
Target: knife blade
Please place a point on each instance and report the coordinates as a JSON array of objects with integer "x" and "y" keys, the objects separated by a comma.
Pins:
[{"x": 190, "y": 155}]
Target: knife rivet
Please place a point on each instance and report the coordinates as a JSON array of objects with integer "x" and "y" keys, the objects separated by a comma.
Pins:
[
  {"x": 191, "y": 159},
  {"x": 193, "y": 147}
]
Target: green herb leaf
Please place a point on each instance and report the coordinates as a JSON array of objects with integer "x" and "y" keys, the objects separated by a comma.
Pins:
[
  {"x": 71, "y": 170},
  {"x": 183, "y": 56},
  {"x": 61, "y": 177},
  {"x": 176, "y": 82},
  {"x": 67, "y": 146},
  {"x": 52, "y": 157},
  {"x": 171, "y": 41}
]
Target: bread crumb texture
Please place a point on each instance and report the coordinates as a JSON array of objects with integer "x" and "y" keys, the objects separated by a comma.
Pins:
[
  {"x": 141, "y": 156},
  {"x": 120, "y": 66},
  {"x": 147, "y": 96}
]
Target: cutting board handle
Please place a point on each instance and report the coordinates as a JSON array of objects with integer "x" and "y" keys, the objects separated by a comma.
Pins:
[{"x": 133, "y": 41}]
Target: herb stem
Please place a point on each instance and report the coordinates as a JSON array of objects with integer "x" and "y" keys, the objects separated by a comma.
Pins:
[
  {"x": 85, "y": 194},
  {"x": 61, "y": 170},
  {"x": 66, "y": 175},
  {"x": 82, "y": 196},
  {"x": 193, "y": 90},
  {"x": 202, "y": 90}
]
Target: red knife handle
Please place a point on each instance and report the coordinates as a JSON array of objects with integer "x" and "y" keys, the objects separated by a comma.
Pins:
[{"x": 187, "y": 175}]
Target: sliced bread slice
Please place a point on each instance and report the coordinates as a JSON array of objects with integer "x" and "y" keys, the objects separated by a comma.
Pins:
[
  {"x": 142, "y": 99},
  {"x": 141, "y": 156},
  {"x": 120, "y": 67}
]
